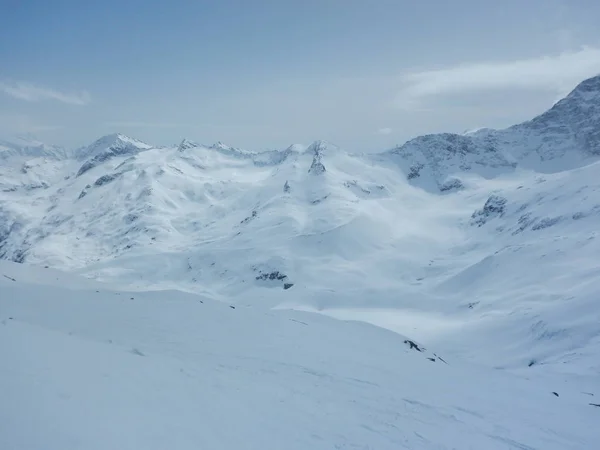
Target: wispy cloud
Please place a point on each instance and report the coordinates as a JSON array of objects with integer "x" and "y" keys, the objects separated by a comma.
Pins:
[
  {"x": 384, "y": 131},
  {"x": 32, "y": 93},
  {"x": 133, "y": 124},
  {"x": 557, "y": 74}
]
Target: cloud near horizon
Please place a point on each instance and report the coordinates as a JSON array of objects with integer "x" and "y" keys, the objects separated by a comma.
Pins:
[
  {"x": 32, "y": 93},
  {"x": 559, "y": 74}
]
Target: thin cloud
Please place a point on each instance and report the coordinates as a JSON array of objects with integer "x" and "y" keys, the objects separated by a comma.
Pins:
[
  {"x": 556, "y": 74},
  {"x": 384, "y": 131},
  {"x": 33, "y": 93}
]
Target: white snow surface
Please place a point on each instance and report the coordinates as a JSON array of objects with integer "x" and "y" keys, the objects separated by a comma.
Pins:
[
  {"x": 87, "y": 367},
  {"x": 482, "y": 248}
]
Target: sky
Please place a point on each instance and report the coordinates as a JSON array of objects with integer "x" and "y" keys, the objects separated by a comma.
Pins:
[{"x": 263, "y": 74}]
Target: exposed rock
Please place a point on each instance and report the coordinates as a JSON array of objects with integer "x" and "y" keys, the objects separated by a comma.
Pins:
[
  {"x": 317, "y": 167},
  {"x": 494, "y": 206},
  {"x": 105, "y": 179},
  {"x": 453, "y": 184},
  {"x": 413, "y": 345},
  {"x": 319, "y": 200},
  {"x": 546, "y": 222},
  {"x": 415, "y": 171},
  {"x": 84, "y": 192},
  {"x": 275, "y": 275},
  {"x": 524, "y": 221},
  {"x": 185, "y": 145},
  {"x": 248, "y": 219}
]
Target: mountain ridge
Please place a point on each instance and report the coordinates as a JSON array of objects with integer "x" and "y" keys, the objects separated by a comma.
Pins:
[
  {"x": 564, "y": 136},
  {"x": 319, "y": 228}
]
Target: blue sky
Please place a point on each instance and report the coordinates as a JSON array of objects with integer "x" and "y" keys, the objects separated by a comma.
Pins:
[{"x": 365, "y": 75}]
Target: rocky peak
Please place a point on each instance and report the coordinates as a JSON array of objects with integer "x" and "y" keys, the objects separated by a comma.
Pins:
[
  {"x": 568, "y": 130},
  {"x": 186, "y": 144},
  {"x": 587, "y": 88},
  {"x": 117, "y": 142},
  {"x": 564, "y": 137},
  {"x": 317, "y": 148}
]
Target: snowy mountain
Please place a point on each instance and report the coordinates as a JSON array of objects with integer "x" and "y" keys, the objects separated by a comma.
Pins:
[
  {"x": 565, "y": 137},
  {"x": 482, "y": 247},
  {"x": 22, "y": 147},
  {"x": 112, "y": 144}
]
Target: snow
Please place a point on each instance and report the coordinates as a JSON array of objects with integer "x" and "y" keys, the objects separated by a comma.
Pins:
[
  {"x": 18, "y": 147},
  {"x": 111, "y": 141},
  {"x": 273, "y": 292},
  {"x": 96, "y": 369},
  {"x": 564, "y": 137}
]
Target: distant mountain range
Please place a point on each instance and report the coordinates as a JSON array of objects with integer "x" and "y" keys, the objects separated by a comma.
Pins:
[{"x": 498, "y": 223}]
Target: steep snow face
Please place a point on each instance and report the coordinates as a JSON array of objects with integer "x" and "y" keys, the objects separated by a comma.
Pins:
[
  {"x": 565, "y": 137},
  {"x": 87, "y": 366}
]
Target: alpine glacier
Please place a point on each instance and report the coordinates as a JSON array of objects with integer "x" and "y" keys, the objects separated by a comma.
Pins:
[{"x": 182, "y": 277}]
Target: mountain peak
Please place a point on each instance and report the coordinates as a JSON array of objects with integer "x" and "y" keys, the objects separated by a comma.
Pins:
[
  {"x": 118, "y": 138},
  {"x": 586, "y": 87},
  {"x": 110, "y": 141},
  {"x": 187, "y": 144},
  {"x": 221, "y": 146},
  {"x": 321, "y": 146}
]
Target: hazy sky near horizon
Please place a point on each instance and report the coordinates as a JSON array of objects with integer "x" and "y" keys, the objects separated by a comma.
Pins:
[{"x": 257, "y": 74}]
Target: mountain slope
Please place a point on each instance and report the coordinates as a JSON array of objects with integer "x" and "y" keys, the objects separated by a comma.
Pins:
[
  {"x": 91, "y": 367},
  {"x": 462, "y": 241},
  {"x": 565, "y": 137},
  {"x": 22, "y": 147}
]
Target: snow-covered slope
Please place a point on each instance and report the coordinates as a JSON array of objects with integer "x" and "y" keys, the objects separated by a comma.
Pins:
[
  {"x": 117, "y": 144},
  {"x": 483, "y": 246},
  {"x": 22, "y": 147},
  {"x": 88, "y": 367},
  {"x": 565, "y": 137}
]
